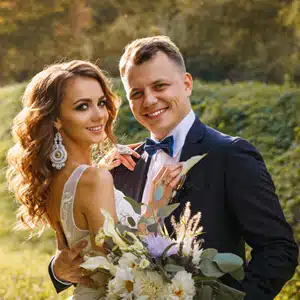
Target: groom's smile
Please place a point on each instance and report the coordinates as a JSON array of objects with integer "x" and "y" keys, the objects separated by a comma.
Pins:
[
  {"x": 157, "y": 113},
  {"x": 158, "y": 92}
]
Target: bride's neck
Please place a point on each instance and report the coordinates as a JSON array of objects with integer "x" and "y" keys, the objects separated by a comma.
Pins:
[{"x": 80, "y": 155}]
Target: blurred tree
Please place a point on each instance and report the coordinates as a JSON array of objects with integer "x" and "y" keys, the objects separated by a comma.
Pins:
[
  {"x": 35, "y": 33},
  {"x": 221, "y": 39},
  {"x": 239, "y": 40}
]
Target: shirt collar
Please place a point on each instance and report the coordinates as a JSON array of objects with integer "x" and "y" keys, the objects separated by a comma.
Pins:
[{"x": 180, "y": 132}]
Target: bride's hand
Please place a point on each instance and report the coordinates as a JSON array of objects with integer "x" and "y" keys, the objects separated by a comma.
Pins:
[
  {"x": 66, "y": 264},
  {"x": 114, "y": 158},
  {"x": 168, "y": 177}
]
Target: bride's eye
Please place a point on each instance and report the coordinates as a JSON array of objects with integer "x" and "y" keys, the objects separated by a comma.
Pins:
[
  {"x": 82, "y": 107},
  {"x": 102, "y": 103}
]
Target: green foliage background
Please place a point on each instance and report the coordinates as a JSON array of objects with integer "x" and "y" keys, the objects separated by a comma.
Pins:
[
  {"x": 266, "y": 115},
  {"x": 220, "y": 39}
]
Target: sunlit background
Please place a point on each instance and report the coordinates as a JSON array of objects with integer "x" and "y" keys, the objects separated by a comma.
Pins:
[{"x": 245, "y": 56}]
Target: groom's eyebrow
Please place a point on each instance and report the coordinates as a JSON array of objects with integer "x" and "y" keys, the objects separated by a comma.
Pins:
[
  {"x": 157, "y": 81},
  {"x": 152, "y": 83}
]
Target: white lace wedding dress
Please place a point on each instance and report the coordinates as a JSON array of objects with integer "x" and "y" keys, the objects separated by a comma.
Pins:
[{"x": 74, "y": 234}]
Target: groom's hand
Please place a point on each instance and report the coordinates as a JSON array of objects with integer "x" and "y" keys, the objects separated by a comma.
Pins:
[
  {"x": 66, "y": 264},
  {"x": 169, "y": 177}
]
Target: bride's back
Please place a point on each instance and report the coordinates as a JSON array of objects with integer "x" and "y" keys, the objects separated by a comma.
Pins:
[
  {"x": 67, "y": 188},
  {"x": 77, "y": 196}
]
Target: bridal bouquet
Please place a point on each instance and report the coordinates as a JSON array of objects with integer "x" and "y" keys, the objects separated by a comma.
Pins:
[{"x": 152, "y": 264}]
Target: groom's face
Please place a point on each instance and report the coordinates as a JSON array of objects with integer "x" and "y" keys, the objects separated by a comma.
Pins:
[{"x": 158, "y": 91}]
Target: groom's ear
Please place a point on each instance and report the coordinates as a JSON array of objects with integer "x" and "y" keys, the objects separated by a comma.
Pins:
[{"x": 188, "y": 83}]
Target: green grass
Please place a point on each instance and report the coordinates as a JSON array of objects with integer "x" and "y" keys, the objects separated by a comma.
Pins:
[
  {"x": 23, "y": 264},
  {"x": 266, "y": 115}
]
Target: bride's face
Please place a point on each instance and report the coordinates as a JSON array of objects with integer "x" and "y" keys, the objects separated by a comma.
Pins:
[{"x": 83, "y": 113}]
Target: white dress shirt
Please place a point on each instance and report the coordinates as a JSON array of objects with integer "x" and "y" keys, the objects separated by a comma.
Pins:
[{"x": 161, "y": 158}]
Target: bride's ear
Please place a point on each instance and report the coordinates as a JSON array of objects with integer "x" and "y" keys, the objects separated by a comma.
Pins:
[{"x": 57, "y": 124}]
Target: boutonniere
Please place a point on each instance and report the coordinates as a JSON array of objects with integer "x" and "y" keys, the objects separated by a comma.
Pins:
[{"x": 187, "y": 166}]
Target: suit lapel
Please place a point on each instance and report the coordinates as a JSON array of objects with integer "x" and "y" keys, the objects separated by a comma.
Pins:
[
  {"x": 194, "y": 145},
  {"x": 132, "y": 183},
  {"x": 193, "y": 141},
  {"x": 141, "y": 170}
]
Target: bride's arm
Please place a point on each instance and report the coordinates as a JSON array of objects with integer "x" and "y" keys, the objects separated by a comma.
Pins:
[{"x": 96, "y": 193}]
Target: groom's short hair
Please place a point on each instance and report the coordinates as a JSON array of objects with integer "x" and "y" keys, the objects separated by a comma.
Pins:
[{"x": 142, "y": 50}]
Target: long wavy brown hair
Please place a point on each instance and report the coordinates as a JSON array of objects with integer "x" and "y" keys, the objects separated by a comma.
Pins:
[{"x": 30, "y": 171}]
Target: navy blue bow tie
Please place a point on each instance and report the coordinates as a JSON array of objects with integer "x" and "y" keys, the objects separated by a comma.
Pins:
[{"x": 166, "y": 145}]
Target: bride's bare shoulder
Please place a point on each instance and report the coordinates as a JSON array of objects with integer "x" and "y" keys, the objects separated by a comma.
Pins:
[
  {"x": 94, "y": 177},
  {"x": 94, "y": 189}
]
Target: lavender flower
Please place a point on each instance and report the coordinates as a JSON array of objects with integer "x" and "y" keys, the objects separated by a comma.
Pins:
[{"x": 156, "y": 245}]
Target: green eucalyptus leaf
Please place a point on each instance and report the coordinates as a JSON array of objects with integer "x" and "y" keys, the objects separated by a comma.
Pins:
[
  {"x": 173, "y": 268},
  {"x": 167, "y": 249},
  {"x": 205, "y": 293},
  {"x": 238, "y": 274},
  {"x": 228, "y": 293},
  {"x": 209, "y": 253},
  {"x": 209, "y": 268},
  {"x": 142, "y": 219},
  {"x": 163, "y": 273},
  {"x": 170, "y": 260},
  {"x": 136, "y": 206},
  {"x": 228, "y": 262},
  {"x": 166, "y": 210},
  {"x": 158, "y": 193},
  {"x": 187, "y": 165},
  {"x": 131, "y": 221},
  {"x": 122, "y": 228},
  {"x": 153, "y": 228},
  {"x": 147, "y": 221}
]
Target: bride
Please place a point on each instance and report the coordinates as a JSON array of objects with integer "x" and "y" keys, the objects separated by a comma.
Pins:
[{"x": 67, "y": 108}]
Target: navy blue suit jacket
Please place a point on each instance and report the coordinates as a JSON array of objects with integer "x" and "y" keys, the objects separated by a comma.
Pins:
[{"x": 233, "y": 190}]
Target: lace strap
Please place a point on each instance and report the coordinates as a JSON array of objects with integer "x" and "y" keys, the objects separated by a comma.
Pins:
[
  {"x": 71, "y": 184},
  {"x": 67, "y": 205}
]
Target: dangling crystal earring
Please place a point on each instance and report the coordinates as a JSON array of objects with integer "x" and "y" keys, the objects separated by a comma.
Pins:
[{"x": 59, "y": 154}]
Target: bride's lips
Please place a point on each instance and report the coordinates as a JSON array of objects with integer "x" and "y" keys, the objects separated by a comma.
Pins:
[
  {"x": 95, "y": 129},
  {"x": 156, "y": 113}
]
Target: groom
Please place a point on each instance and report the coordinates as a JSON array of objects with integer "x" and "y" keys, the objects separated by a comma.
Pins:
[{"x": 231, "y": 186}]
